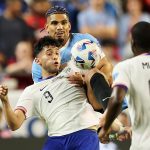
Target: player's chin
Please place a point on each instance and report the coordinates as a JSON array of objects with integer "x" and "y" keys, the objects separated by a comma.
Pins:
[
  {"x": 55, "y": 69},
  {"x": 60, "y": 37}
]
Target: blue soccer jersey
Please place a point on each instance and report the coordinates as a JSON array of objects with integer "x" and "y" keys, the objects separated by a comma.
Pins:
[{"x": 65, "y": 53}]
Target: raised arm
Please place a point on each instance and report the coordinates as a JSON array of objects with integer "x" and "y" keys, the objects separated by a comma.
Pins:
[
  {"x": 106, "y": 67},
  {"x": 98, "y": 89},
  {"x": 13, "y": 118}
]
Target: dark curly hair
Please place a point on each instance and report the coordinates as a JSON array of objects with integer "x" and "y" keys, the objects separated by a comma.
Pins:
[
  {"x": 57, "y": 10},
  {"x": 45, "y": 41}
]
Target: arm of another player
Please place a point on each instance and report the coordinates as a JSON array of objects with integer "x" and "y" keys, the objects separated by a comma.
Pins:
[
  {"x": 14, "y": 119},
  {"x": 115, "y": 103},
  {"x": 98, "y": 89},
  {"x": 106, "y": 67}
]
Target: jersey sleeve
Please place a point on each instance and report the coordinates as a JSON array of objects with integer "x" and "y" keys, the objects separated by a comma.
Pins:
[
  {"x": 25, "y": 103},
  {"x": 121, "y": 75},
  {"x": 36, "y": 72},
  {"x": 120, "y": 78}
]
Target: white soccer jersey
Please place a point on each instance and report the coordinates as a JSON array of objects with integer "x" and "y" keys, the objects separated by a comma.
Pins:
[
  {"x": 134, "y": 74},
  {"x": 63, "y": 106}
]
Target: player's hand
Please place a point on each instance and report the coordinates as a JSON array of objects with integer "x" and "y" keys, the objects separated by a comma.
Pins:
[
  {"x": 103, "y": 136},
  {"x": 125, "y": 135},
  {"x": 77, "y": 78},
  {"x": 3, "y": 93}
]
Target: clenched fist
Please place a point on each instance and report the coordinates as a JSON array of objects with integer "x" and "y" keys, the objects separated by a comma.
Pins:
[{"x": 3, "y": 93}]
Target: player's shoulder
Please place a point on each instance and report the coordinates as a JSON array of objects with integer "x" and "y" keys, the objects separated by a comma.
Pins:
[
  {"x": 123, "y": 63},
  {"x": 34, "y": 86},
  {"x": 121, "y": 66},
  {"x": 81, "y": 36},
  {"x": 29, "y": 88}
]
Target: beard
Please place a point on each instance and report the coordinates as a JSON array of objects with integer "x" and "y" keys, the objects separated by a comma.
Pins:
[{"x": 60, "y": 41}]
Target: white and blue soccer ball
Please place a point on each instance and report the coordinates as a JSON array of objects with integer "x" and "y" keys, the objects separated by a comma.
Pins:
[{"x": 85, "y": 54}]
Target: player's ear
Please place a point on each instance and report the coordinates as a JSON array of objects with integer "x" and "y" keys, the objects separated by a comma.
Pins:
[
  {"x": 133, "y": 46},
  {"x": 46, "y": 27},
  {"x": 37, "y": 60},
  {"x": 69, "y": 26}
]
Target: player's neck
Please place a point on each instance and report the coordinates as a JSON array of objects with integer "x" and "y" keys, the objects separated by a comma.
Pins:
[
  {"x": 66, "y": 41},
  {"x": 47, "y": 75},
  {"x": 141, "y": 53}
]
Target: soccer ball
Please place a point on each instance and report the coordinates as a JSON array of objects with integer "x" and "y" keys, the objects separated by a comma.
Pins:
[{"x": 85, "y": 54}]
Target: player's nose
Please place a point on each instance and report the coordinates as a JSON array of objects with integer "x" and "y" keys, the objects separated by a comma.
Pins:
[{"x": 59, "y": 26}]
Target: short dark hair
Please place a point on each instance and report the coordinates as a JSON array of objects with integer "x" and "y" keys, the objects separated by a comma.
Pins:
[
  {"x": 45, "y": 41},
  {"x": 141, "y": 36},
  {"x": 56, "y": 10}
]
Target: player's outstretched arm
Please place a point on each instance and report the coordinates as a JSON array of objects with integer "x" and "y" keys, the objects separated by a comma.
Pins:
[
  {"x": 14, "y": 119},
  {"x": 115, "y": 103}
]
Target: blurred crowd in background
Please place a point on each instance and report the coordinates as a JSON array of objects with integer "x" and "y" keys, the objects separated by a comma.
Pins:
[{"x": 21, "y": 21}]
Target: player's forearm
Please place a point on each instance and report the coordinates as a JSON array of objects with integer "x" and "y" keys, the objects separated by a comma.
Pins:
[
  {"x": 11, "y": 118},
  {"x": 113, "y": 110}
]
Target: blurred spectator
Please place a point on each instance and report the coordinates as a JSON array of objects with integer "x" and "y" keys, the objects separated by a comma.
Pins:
[
  {"x": 35, "y": 16},
  {"x": 74, "y": 7},
  {"x": 134, "y": 13},
  {"x": 112, "y": 53},
  {"x": 12, "y": 29},
  {"x": 147, "y": 5},
  {"x": 99, "y": 21},
  {"x": 24, "y": 58},
  {"x": 20, "y": 70},
  {"x": 117, "y": 5},
  {"x": 2, "y": 6}
]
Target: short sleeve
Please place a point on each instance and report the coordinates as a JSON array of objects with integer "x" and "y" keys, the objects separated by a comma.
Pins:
[
  {"x": 121, "y": 75},
  {"x": 25, "y": 103}
]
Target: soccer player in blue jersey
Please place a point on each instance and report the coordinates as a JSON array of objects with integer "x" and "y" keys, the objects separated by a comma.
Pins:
[{"x": 58, "y": 27}]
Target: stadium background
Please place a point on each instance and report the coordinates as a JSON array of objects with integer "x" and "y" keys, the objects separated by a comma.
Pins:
[{"x": 16, "y": 56}]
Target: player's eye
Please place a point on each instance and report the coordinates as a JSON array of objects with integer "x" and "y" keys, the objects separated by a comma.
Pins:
[
  {"x": 64, "y": 22},
  {"x": 57, "y": 53},
  {"x": 54, "y": 22},
  {"x": 48, "y": 53}
]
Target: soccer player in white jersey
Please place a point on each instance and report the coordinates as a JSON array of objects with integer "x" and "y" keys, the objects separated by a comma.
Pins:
[
  {"x": 133, "y": 79},
  {"x": 71, "y": 120},
  {"x": 64, "y": 107}
]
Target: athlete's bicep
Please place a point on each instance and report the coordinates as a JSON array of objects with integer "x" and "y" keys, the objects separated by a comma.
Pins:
[
  {"x": 106, "y": 67},
  {"x": 20, "y": 116}
]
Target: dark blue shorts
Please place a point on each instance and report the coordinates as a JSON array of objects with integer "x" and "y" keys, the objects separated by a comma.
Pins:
[{"x": 81, "y": 140}]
